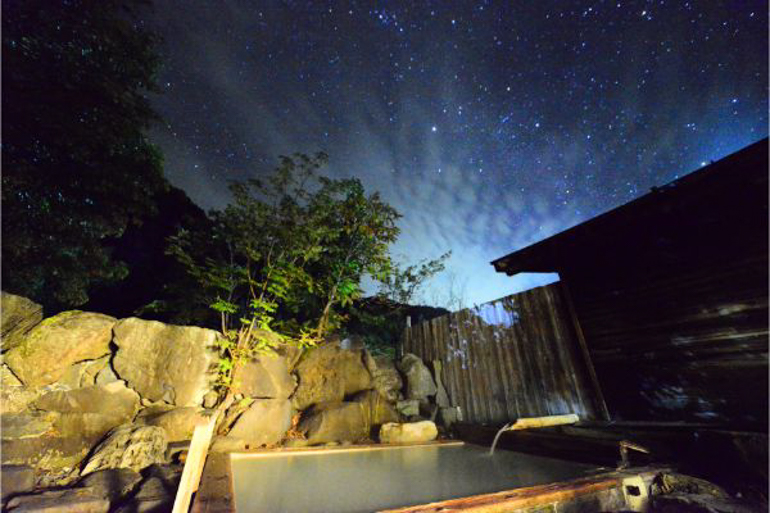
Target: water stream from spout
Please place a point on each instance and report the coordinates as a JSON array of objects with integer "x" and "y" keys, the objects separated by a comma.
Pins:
[{"x": 497, "y": 437}]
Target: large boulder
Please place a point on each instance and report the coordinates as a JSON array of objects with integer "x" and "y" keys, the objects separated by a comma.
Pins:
[
  {"x": 264, "y": 423},
  {"x": 164, "y": 362},
  {"x": 179, "y": 423},
  {"x": 265, "y": 376},
  {"x": 386, "y": 378},
  {"x": 31, "y": 439},
  {"x": 132, "y": 447},
  {"x": 114, "y": 401},
  {"x": 411, "y": 432},
  {"x": 46, "y": 351},
  {"x": 329, "y": 374},
  {"x": 419, "y": 382},
  {"x": 65, "y": 425},
  {"x": 18, "y": 315},
  {"x": 94, "y": 493},
  {"x": 377, "y": 409},
  {"x": 335, "y": 422}
]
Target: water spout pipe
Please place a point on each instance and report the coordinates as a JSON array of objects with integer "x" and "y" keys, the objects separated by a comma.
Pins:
[{"x": 534, "y": 422}]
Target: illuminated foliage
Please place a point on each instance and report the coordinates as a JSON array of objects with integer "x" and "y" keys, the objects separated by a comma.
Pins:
[{"x": 285, "y": 253}]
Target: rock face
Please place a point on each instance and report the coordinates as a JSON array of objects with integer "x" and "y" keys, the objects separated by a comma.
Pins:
[
  {"x": 411, "y": 432},
  {"x": 165, "y": 362},
  {"x": 442, "y": 398},
  {"x": 111, "y": 483},
  {"x": 129, "y": 447},
  {"x": 377, "y": 409},
  {"x": 264, "y": 423},
  {"x": 84, "y": 374},
  {"x": 419, "y": 382},
  {"x": 65, "y": 425},
  {"x": 386, "y": 378},
  {"x": 69, "y": 500},
  {"x": 448, "y": 416},
  {"x": 16, "y": 479},
  {"x": 266, "y": 376},
  {"x": 18, "y": 315},
  {"x": 14, "y": 396},
  {"x": 340, "y": 422},
  {"x": 408, "y": 407},
  {"x": 179, "y": 423},
  {"x": 156, "y": 493},
  {"x": 328, "y": 374},
  {"x": 46, "y": 351},
  {"x": 113, "y": 400}
]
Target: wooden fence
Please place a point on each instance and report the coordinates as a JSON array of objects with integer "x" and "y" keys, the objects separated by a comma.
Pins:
[{"x": 518, "y": 356}]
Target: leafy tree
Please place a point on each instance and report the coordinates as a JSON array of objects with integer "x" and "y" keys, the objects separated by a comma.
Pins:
[
  {"x": 360, "y": 229},
  {"x": 401, "y": 285},
  {"x": 284, "y": 254},
  {"x": 380, "y": 320},
  {"x": 77, "y": 167}
]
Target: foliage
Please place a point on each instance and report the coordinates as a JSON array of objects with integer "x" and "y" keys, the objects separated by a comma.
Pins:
[
  {"x": 380, "y": 322},
  {"x": 360, "y": 230},
  {"x": 402, "y": 285},
  {"x": 77, "y": 167},
  {"x": 284, "y": 253}
]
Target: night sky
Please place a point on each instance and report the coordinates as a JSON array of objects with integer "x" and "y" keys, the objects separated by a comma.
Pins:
[{"x": 488, "y": 125}]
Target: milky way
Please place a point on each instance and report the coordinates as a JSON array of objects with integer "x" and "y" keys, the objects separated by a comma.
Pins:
[{"x": 488, "y": 125}]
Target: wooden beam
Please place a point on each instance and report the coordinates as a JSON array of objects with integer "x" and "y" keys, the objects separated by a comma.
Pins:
[
  {"x": 602, "y": 405},
  {"x": 193, "y": 467}
]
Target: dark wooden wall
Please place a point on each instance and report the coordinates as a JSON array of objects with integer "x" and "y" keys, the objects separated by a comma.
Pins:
[
  {"x": 514, "y": 357},
  {"x": 674, "y": 303}
]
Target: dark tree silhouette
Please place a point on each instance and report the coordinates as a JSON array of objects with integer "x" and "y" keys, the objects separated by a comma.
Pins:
[{"x": 77, "y": 167}]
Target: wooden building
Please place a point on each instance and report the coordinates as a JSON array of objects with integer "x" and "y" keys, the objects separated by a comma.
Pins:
[{"x": 670, "y": 295}]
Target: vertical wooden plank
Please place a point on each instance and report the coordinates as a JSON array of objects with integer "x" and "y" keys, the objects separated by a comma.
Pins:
[
  {"x": 550, "y": 398},
  {"x": 507, "y": 342},
  {"x": 483, "y": 334},
  {"x": 504, "y": 371},
  {"x": 476, "y": 342},
  {"x": 454, "y": 361},
  {"x": 474, "y": 414},
  {"x": 457, "y": 370},
  {"x": 600, "y": 403},
  {"x": 583, "y": 403},
  {"x": 519, "y": 349},
  {"x": 406, "y": 338}
]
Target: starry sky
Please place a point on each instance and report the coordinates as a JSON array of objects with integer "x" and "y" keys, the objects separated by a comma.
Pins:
[{"x": 488, "y": 125}]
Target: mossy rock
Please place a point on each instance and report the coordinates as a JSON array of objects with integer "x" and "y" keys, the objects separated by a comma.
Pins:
[{"x": 45, "y": 352}]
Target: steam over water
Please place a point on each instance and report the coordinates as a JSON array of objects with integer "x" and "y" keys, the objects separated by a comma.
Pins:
[{"x": 370, "y": 480}]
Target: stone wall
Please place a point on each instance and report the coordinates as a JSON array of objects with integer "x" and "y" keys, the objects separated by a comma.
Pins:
[{"x": 78, "y": 388}]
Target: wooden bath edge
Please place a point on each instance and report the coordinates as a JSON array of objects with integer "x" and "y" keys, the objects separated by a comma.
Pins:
[
  {"x": 216, "y": 493},
  {"x": 536, "y": 496}
]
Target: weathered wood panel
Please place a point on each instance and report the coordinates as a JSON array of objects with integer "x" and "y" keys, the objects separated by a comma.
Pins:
[
  {"x": 671, "y": 295},
  {"x": 693, "y": 348},
  {"x": 511, "y": 358}
]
